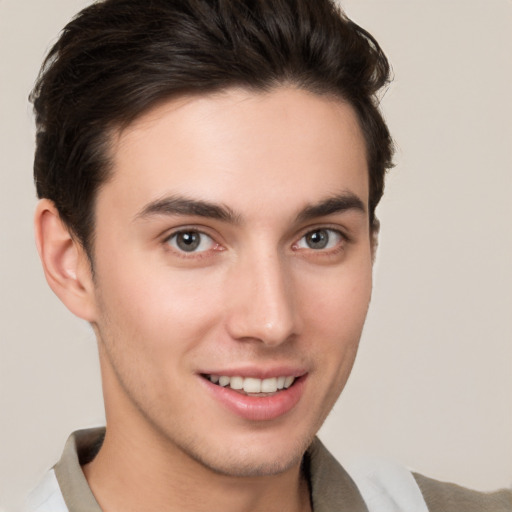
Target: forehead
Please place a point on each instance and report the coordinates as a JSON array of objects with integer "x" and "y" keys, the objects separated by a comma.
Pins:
[{"x": 269, "y": 150}]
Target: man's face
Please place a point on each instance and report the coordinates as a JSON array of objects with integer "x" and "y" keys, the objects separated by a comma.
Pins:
[{"x": 232, "y": 242}]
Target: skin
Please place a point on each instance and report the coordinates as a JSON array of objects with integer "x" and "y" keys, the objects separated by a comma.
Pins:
[{"x": 253, "y": 296}]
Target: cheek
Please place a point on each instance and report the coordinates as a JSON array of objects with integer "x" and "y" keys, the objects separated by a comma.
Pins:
[
  {"x": 336, "y": 313},
  {"x": 337, "y": 304},
  {"x": 157, "y": 309}
]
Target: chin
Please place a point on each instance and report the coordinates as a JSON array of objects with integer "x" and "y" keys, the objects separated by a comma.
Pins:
[
  {"x": 257, "y": 466},
  {"x": 251, "y": 459}
]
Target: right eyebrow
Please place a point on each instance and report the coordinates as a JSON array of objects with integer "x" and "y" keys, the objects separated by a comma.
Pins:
[
  {"x": 181, "y": 206},
  {"x": 336, "y": 204}
]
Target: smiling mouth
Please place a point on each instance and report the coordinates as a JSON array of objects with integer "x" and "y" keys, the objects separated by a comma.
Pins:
[{"x": 252, "y": 386}]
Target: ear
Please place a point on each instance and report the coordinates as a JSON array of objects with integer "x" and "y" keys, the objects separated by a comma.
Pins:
[
  {"x": 374, "y": 237},
  {"x": 66, "y": 265}
]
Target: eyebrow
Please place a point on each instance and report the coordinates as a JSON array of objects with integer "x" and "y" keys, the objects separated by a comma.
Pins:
[
  {"x": 336, "y": 204},
  {"x": 183, "y": 206},
  {"x": 176, "y": 205}
]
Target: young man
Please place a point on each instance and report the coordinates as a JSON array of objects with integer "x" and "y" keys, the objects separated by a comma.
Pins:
[{"x": 208, "y": 174}]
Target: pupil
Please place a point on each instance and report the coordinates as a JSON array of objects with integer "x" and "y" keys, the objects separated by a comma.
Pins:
[
  {"x": 318, "y": 239},
  {"x": 188, "y": 241}
]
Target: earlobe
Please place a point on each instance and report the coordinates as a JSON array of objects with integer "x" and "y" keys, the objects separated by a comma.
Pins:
[{"x": 65, "y": 263}]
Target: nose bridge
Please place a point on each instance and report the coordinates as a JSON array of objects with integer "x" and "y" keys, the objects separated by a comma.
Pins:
[{"x": 262, "y": 305}]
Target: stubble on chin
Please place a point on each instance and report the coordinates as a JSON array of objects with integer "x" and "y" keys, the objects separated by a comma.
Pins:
[{"x": 244, "y": 463}]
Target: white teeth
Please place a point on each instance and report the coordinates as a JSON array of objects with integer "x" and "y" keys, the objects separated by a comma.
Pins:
[
  {"x": 269, "y": 385},
  {"x": 237, "y": 383},
  {"x": 288, "y": 382},
  {"x": 252, "y": 384},
  {"x": 224, "y": 381}
]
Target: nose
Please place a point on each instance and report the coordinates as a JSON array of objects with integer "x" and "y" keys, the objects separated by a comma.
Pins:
[{"x": 261, "y": 303}]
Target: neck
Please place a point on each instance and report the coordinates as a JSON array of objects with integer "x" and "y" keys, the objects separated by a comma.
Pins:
[{"x": 146, "y": 475}]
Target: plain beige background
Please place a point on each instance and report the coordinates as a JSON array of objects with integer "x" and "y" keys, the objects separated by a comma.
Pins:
[{"x": 432, "y": 386}]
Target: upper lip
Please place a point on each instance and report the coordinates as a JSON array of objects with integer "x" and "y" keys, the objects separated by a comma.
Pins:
[{"x": 258, "y": 372}]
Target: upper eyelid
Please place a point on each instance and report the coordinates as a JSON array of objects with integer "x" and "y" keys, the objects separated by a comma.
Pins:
[
  {"x": 311, "y": 229},
  {"x": 169, "y": 233},
  {"x": 179, "y": 231}
]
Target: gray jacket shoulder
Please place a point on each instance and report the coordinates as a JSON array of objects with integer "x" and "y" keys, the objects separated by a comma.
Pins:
[{"x": 448, "y": 497}]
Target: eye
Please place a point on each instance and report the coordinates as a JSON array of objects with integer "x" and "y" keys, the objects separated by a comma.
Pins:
[
  {"x": 320, "y": 239},
  {"x": 191, "y": 241}
]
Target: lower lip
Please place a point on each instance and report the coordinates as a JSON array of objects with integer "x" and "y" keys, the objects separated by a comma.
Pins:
[{"x": 254, "y": 408}]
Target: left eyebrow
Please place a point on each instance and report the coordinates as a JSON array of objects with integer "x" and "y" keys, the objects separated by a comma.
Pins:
[
  {"x": 336, "y": 204},
  {"x": 183, "y": 206}
]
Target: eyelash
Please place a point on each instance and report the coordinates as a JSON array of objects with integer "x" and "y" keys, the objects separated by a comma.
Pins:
[
  {"x": 339, "y": 244},
  {"x": 216, "y": 247},
  {"x": 191, "y": 254}
]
